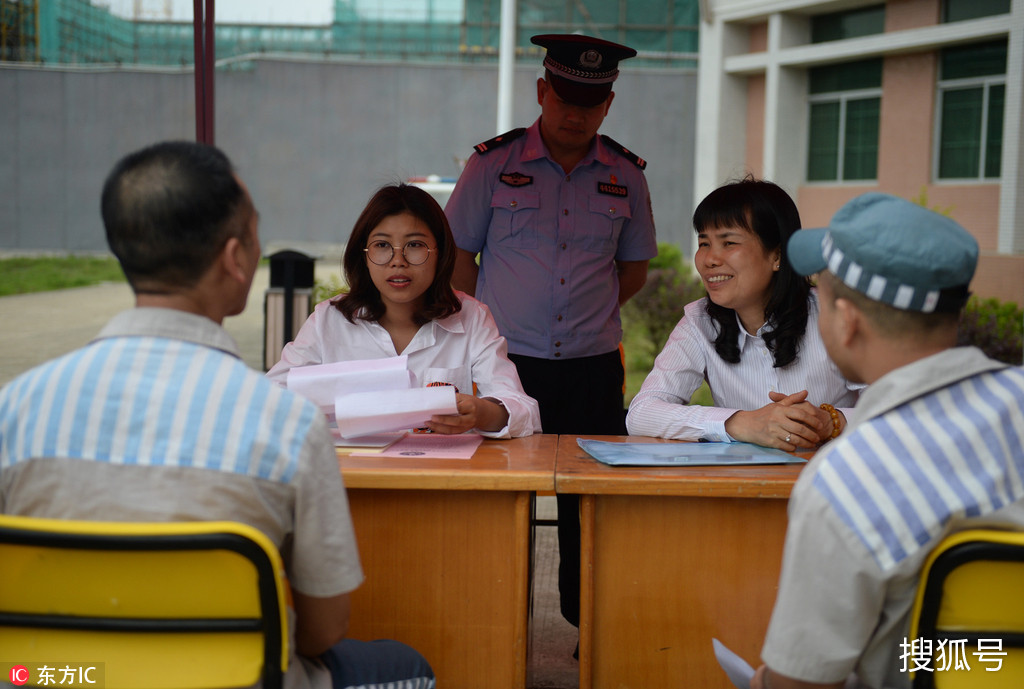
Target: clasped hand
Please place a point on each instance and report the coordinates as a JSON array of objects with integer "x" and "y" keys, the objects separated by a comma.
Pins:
[{"x": 789, "y": 423}]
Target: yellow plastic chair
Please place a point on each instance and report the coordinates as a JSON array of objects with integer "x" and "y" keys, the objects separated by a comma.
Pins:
[
  {"x": 147, "y": 605},
  {"x": 972, "y": 588}
]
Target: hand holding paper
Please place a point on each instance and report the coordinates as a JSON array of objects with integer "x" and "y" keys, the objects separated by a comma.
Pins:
[
  {"x": 323, "y": 383},
  {"x": 736, "y": 669},
  {"x": 362, "y": 413},
  {"x": 371, "y": 396}
]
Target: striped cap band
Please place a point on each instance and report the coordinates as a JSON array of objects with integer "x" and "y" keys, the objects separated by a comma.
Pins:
[
  {"x": 580, "y": 75},
  {"x": 888, "y": 290}
]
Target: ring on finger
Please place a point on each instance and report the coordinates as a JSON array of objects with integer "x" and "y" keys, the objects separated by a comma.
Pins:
[{"x": 788, "y": 436}]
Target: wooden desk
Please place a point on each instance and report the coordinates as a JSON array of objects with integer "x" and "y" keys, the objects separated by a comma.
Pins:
[
  {"x": 445, "y": 548},
  {"x": 672, "y": 557}
]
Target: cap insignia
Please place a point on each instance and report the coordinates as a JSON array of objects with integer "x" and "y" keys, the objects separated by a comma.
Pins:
[{"x": 591, "y": 59}]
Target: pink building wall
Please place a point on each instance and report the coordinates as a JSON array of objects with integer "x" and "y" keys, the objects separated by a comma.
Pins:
[{"x": 906, "y": 145}]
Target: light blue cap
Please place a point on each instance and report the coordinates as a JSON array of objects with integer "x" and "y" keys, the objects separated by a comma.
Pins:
[{"x": 892, "y": 251}]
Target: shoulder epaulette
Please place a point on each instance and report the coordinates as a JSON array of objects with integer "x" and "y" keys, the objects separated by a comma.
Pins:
[
  {"x": 625, "y": 152},
  {"x": 499, "y": 141}
]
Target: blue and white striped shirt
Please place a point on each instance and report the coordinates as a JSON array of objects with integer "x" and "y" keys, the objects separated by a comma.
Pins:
[
  {"x": 932, "y": 448},
  {"x": 898, "y": 478},
  {"x": 159, "y": 420},
  {"x": 155, "y": 401}
]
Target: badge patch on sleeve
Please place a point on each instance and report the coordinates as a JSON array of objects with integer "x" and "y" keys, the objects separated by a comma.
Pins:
[
  {"x": 613, "y": 189},
  {"x": 516, "y": 179}
]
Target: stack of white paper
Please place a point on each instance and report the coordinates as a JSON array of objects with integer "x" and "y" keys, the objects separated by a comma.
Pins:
[
  {"x": 371, "y": 396},
  {"x": 361, "y": 413},
  {"x": 323, "y": 383}
]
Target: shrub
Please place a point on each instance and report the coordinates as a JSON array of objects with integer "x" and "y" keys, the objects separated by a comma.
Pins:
[
  {"x": 649, "y": 317},
  {"x": 995, "y": 327},
  {"x": 327, "y": 288}
]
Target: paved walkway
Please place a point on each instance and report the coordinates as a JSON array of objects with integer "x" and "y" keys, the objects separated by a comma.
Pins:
[
  {"x": 40, "y": 326},
  {"x": 37, "y": 327}
]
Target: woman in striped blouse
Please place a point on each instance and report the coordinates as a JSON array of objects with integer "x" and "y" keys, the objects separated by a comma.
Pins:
[{"x": 753, "y": 338}]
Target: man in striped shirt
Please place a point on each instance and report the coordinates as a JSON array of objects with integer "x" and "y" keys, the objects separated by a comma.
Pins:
[
  {"x": 158, "y": 418},
  {"x": 934, "y": 445}
]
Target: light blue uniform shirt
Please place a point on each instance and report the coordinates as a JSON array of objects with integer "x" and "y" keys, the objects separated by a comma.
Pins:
[{"x": 548, "y": 242}]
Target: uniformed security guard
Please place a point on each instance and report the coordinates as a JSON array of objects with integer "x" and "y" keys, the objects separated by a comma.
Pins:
[{"x": 561, "y": 219}]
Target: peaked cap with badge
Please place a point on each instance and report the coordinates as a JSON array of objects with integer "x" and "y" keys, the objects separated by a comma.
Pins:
[{"x": 580, "y": 68}]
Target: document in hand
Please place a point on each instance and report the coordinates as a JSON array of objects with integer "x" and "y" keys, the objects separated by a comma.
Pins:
[
  {"x": 323, "y": 383},
  {"x": 371, "y": 396},
  {"x": 361, "y": 413},
  {"x": 684, "y": 454},
  {"x": 736, "y": 669}
]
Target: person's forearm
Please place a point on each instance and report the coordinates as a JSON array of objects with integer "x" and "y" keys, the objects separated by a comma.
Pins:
[
  {"x": 659, "y": 418},
  {"x": 320, "y": 622},
  {"x": 492, "y": 415},
  {"x": 629, "y": 286},
  {"x": 466, "y": 272},
  {"x": 767, "y": 679},
  {"x": 632, "y": 277}
]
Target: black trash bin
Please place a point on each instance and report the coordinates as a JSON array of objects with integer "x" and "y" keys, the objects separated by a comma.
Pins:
[{"x": 288, "y": 301}]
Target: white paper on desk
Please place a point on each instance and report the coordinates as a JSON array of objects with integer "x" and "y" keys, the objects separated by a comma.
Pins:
[
  {"x": 736, "y": 669},
  {"x": 374, "y": 443},
  {"x": 433, "y": 446},
  {"x": 380, "y": 411},
  {"x": 322, "y": 383}
]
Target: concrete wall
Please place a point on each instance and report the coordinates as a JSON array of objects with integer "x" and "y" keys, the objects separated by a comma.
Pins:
[{"x": 312, "y": 140}]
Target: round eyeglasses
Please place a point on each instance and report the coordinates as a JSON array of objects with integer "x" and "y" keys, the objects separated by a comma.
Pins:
[{"x": 415, "y": 252}]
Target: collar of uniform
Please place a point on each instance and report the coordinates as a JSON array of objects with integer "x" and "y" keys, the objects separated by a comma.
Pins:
[
  {"x": 603, "y": 154},
  {"x": 171, "y": 324},
  {"x": 533, "y": 146},
  {"x": 535, "y": 149},
  {"x": 919, "y": 378}
]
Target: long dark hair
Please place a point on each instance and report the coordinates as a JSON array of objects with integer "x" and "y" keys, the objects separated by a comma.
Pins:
[
  {"x": 363, "y": 300},
  {"x": 768, "y": 212}
]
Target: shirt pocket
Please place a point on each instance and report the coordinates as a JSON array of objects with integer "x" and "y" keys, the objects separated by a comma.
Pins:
[
  {"x": 607, "y": 216},
  {"x": 461, "y": 378},
  {"x": 514, "y": 217}
]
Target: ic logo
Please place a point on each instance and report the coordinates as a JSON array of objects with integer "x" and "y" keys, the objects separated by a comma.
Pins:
[{"x": 19, "y": 675}]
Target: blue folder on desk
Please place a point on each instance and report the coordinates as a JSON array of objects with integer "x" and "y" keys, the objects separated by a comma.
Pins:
[{"x": 684, "y": 454}]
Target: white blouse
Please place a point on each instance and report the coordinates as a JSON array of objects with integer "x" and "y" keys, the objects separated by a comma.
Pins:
[
  {"x": 689, "y": 358},
  {"x": 462, "y": 350}
]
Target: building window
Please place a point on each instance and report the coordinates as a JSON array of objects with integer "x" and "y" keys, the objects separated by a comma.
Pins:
[
  {"x": 836, "y": 26},
  {"x": 972, "y": 91},
  {"x": 961, "y": 10},
  {"x": 843, "y": 125}
]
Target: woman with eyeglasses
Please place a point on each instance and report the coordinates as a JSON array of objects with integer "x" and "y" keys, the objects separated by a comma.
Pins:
[{"x": 398, "y": 265}]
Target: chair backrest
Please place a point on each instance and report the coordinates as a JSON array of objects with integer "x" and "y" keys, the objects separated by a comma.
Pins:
[
  {"x": 971, "y": 595},
  {"x": 147, "y": 605}
]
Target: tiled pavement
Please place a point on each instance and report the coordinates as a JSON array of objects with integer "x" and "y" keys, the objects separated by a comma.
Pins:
[{"x": 552, "y": 639}]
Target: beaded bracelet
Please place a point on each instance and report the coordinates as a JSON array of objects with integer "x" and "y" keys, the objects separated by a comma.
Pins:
[{"x": 835, "y": 419}]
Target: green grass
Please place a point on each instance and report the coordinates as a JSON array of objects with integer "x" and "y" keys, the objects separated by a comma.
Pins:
[{"x": 24, "y": 275}]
